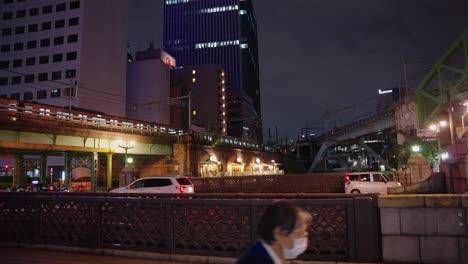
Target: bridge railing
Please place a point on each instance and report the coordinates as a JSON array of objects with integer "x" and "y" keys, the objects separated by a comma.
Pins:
[
  {"x": 343, "y": 228},
  {"x": 289, "y": 183}
]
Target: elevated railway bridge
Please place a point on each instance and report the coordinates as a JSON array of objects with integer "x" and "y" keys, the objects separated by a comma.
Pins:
[
  {"x": 32, "y": 134},
  {"x": 441, "y": 95}
]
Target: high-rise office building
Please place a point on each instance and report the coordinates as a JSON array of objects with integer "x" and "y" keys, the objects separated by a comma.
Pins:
[
  {"x": 65, "y": 52},
  {"x": 223, "y": 33}
]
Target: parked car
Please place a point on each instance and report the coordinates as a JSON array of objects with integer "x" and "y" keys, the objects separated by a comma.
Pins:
[
  {"x": 158, "y": 184},
  {"x": 368, "y": 182}
]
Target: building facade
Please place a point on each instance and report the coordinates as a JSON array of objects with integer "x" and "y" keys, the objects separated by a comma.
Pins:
[
  {"x": 223, "y": 33},
  {"x": 205, "y": 84},
  {"x": 148, "y": 86},
  {"x": 65, "y": 53}
]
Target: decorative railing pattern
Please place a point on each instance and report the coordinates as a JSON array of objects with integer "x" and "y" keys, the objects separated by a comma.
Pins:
[
  {"x": 290, "y": 183},
  {"x": 196, "y": 225}
]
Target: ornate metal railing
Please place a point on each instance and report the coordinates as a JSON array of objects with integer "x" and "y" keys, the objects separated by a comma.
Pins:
[
  {"x": 343, "y": 228},
  {"x": 290, "y": 183}
]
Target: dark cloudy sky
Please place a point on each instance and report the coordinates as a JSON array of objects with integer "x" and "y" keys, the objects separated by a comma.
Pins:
[{"x": 317, "y": 55}]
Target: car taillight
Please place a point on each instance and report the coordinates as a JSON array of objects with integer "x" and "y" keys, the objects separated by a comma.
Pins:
[
  {"x": 347, "y": 178},
  {"x": 51, "y": 188},
  {"x": 180, "y": 188}
]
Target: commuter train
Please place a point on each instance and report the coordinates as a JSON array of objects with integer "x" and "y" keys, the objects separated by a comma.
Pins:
[{"x": 15, "y": 110}]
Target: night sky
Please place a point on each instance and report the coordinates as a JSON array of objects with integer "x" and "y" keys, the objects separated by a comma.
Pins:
[{"x": 319, "y": 55}]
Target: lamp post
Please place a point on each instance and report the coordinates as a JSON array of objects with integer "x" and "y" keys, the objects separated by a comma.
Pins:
[
  {"x": 126, "y": 147},
  {"x": 436, "y": 129}
]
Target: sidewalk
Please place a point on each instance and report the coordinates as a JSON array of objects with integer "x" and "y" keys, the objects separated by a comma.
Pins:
[{"x": 65, "y": 255}]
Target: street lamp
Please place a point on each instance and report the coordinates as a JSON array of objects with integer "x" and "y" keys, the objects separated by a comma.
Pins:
[
  {"x": 127, "y": 146},
  {"x": 416, "y": 148},
  {"x": 436, "y": 129}
]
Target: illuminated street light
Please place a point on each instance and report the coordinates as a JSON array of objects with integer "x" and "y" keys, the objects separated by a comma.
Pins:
[
  {"x": 127, "y": 146},
  {"x": 415, "y": 148},
  {"x": 444, "y": 155}
]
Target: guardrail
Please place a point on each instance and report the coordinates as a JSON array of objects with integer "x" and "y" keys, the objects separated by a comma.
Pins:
[{"x": 344, "y": 227}]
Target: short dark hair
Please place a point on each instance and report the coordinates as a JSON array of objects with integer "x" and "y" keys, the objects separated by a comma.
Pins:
[{"x": 280, "y": 214}]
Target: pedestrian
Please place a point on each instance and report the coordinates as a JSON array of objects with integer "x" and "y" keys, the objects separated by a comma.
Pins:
[{"x": 283, "y": 234}]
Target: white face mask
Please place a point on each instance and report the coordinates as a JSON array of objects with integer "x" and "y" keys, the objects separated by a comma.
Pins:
[{"x": 299, "y": 246}]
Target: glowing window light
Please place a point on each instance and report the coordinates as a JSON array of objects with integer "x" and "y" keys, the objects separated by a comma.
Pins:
[
  {"x": 219, "y": 9},
  {"x": 173, "y": 2},
  {"x": 217, "y": 44}
]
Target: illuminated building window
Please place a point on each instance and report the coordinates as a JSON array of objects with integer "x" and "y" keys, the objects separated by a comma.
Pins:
[
  {"x": 244, "y": 46},
  {"x": 194, "y": 71},
  {"x": 54, "y": 93},
  {"x": 219, "y": 9},
  {"x": 217, "y": 44},
  {"x": 194, "y": 112},
  {"x": 194, "y": 80},
  {"x": 242, "y": 12},
  {"x": 173, "y": 2}
]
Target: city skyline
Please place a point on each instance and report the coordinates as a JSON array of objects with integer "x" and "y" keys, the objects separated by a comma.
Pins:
[{"x": 311, "y": 46}]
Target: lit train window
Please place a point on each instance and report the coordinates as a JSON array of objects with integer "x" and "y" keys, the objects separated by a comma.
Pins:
[
  {"x": 82, "y": 117},
  {"x": 12, "y": 105},
  {"x": 99, "y": 120},
  {"x": 28, "y": 110},
  {"x": 127, "y": 124},
  {"x": 44, "y": 112},
  {"x": 171, "y": 131},
  {"x": 63, "y": 115}
]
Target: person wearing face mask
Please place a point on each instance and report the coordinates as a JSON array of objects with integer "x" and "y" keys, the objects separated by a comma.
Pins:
[{"x": 283, "y": 234}]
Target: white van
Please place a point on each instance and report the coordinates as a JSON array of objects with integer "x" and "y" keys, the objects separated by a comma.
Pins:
[{"x": 368, "y": 182}]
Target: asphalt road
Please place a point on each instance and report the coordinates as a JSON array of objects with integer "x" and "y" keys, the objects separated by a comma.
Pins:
[{"x": 36, "y": 256}]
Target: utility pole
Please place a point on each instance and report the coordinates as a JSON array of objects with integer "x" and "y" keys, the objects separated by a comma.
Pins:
[
  {"x": 190, "y": 110},
  {"x": 276, "y": 128},
  {"x": 72, "y": 93},
  {"x": 406, "y": 77}
]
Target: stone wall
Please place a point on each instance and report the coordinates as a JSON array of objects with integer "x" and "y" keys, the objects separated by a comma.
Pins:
[{"x": 424, "y": 228}]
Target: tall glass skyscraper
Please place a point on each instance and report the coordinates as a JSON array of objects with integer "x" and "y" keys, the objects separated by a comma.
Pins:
[{"x": 221, "y": 32}]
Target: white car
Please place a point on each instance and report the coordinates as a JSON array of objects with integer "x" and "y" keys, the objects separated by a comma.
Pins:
[
  {"x": 158, "y": 184},
  {"x": 368, "y": 182}
]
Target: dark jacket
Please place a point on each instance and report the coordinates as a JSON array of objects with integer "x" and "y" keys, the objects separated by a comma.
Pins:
[{"x": 255, "y": 254}]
